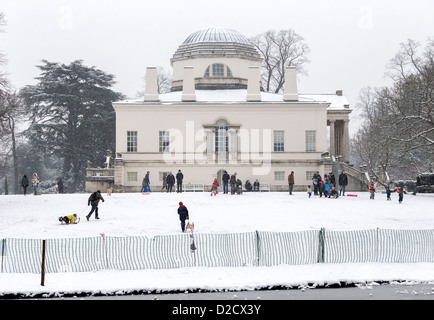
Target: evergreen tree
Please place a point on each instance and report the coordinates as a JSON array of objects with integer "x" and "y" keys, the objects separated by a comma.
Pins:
[{"x": 72, "y": 117}]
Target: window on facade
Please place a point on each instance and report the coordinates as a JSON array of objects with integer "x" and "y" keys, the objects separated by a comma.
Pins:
[
  {"x": 163, "y": 141},
  {"x": 218, "y": 70},
  {"x": 221, "y": 136},
  {"x": 131, "y": 176},
  {"x": 279, "y": 175},
  {"x": 279, "y": 140},
  {"x": 310, "y": 140},
  {"x": 131, "y": 141}
]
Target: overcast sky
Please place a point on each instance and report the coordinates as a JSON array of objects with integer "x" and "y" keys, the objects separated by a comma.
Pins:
[{"x": 351, "y": 41}]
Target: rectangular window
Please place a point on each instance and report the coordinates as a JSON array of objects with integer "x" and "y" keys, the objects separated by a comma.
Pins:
[
  {"x": 131, "y": 141},
  {"x": 221, "y": 140},
  {"x": 163, "y": 141},
  {"x": 131, "y": 176},
  {"x": 310, "y": 140},
  {"x": 279, "y": 175},
  {"x": 279, "y": 140}
]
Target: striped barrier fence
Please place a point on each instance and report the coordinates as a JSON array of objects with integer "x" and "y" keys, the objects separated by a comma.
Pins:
[{"x": 217, "y": 250}]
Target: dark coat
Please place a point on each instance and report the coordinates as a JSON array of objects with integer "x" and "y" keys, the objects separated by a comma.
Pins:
[
  {"x": 343, "y": 179},
  {"x": 95, "y": 200},
  {"x": 25, "y": 181},
  {"x": 179, "y": 177},
  {"x": 183, "y": 213},
  {"x": 226, "y": 177},
  {"x": 170, "y": 179}
]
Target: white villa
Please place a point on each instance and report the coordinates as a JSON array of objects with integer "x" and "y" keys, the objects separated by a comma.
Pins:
[{"x": 216, "y": 119}]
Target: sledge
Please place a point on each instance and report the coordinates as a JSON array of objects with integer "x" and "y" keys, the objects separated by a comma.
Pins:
[
  {"x": 145, "y": 193},
  {"x": 189, "y": 226},
  {"x": 351, "y": 195}
]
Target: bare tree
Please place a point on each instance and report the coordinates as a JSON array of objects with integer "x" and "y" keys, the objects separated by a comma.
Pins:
[
  {"x": 164, "y": 82},
  {"x": 4, "y": 82},
  {"x": 8, "y": 128},
  {"x": 398, "y": 132},
  {"x": 280, "y": 49}
]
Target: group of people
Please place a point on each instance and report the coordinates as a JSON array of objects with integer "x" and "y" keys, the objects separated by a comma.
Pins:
[
  {"x": 25, "y": 183},
  {"x": 168, "y": 182},
  {"x": 327, "y": 186},
  {"x": 236, "y": 185}
]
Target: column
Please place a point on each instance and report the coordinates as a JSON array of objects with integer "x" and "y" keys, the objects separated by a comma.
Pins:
[
  {"x": 332, "y": 138},
  {"x": 346, "y": 141}
]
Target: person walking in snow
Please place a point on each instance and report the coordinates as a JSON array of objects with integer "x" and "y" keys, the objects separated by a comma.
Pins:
[
  {"x": 94, "y": 201},
  {"x": 214, "y": 188},
  {"x": 164, "y": 181},
  {"x": 25, "y": 183},
  {"x": 291, "y": 182},
  {"x": 170, "y": 181},
  {"x": 35, "y": 183},
  {"x": 388, "y": 192},
  {"x": 146, "y": 183},
  {"x": 183, "y": 215},
  {"x": 309, "y": 191},
  {"x": 233, "y": 183},
  {"x": 401, "y": 194}
]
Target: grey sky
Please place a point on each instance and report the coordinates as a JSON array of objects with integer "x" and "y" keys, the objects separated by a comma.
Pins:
[{"x": 351, "y": 41}]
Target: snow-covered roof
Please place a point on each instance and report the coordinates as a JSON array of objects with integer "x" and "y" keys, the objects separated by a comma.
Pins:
[{"x": 236, "y": 96}]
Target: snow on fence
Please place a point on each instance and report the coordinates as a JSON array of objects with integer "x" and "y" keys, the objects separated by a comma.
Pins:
[{"x": 217, "y": 250}]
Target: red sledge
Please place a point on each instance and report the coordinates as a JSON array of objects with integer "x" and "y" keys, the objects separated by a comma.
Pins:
[{"x": 351, "y": 195}]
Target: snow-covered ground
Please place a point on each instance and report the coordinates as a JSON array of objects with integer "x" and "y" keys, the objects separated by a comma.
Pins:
[{"x": 156, "y": 214}]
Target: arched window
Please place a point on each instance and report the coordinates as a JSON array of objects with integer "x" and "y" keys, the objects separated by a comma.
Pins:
[
  {"x": 221, "y": 136},
  {"x": 218, "y": 70}
]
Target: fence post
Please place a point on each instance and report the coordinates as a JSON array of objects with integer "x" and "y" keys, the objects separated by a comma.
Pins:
[
  {"x": 258, "y": 248},
  {"x": 3, "y": 253},
  {"x": 43, "y": 264},
  {"x": 321, "y": 236}
]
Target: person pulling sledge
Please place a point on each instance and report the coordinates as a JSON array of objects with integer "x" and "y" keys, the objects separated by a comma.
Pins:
[
  {"x": 94, "y": 201},
  {"x": 72, "y": 219},
  {"x": 183, "y": 215}
]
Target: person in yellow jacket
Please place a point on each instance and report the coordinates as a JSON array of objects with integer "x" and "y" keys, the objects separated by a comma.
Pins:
[{"x": 72, "y": 219}]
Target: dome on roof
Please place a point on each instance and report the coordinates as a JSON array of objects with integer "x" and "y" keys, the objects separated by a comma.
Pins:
[
  {"x": 216, "y": 34},
  {"x": 220, "y": 58},
  {"x": 216, "y": 42}
]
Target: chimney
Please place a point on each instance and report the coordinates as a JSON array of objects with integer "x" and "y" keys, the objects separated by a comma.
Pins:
[
  {"x": 339, "y": 92},
  {"x": 253, "y": 84},
  {"x": 151, "y": 87},
  {"x": 188, "y": 89},
  {"x": 290, "y": 91}
]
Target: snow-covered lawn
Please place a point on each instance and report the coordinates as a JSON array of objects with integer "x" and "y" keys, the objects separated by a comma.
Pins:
[{"x": 156, "y": 214}]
